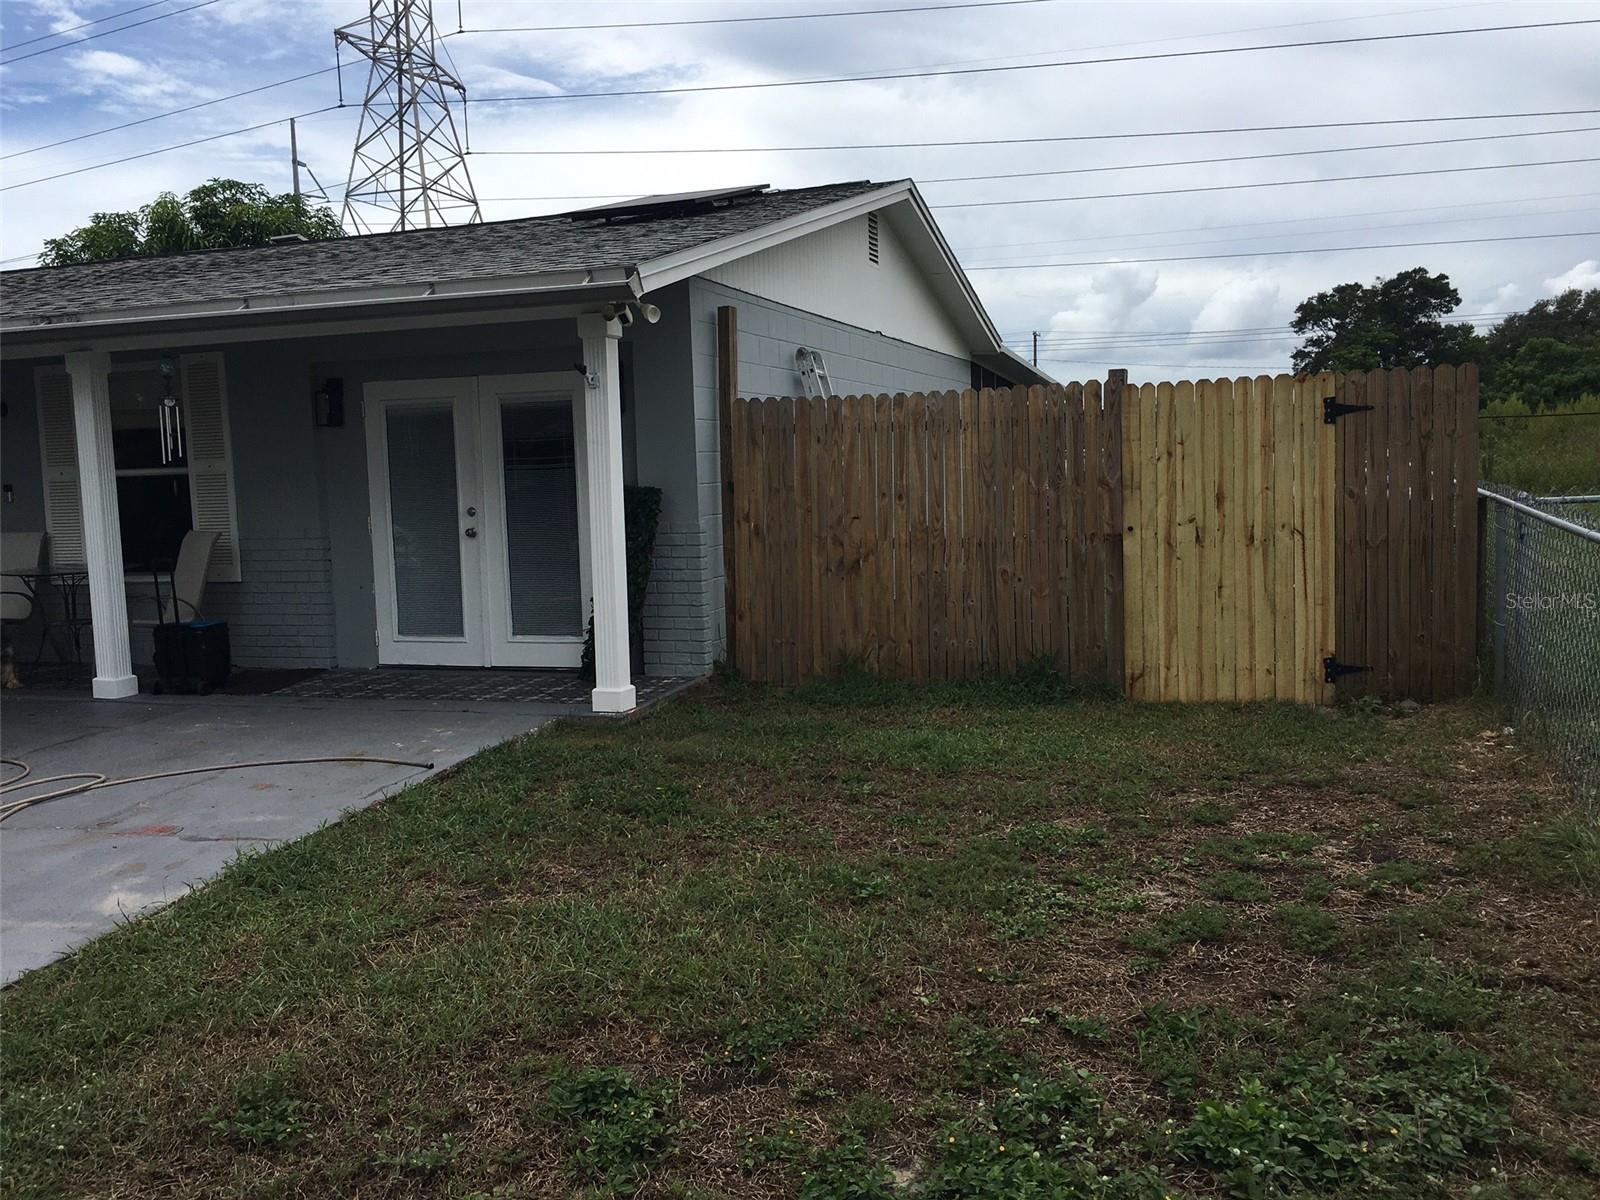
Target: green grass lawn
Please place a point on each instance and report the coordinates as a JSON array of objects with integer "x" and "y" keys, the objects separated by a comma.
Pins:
[{"x": 864, "y": 941}]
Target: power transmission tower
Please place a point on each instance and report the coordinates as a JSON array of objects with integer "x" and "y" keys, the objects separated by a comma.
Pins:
[{"x": 408, "y": 170}]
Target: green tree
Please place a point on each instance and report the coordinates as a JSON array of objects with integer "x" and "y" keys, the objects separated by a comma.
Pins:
[
  {"x": 1395, "y": 322},
  {"x": 1573, "y": 316},
  {"x": 219, "y": 213},
  {"x": 1547, "y": 355}
]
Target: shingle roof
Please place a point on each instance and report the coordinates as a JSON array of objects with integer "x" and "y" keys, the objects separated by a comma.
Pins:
[{"x": 530, "y": 245}]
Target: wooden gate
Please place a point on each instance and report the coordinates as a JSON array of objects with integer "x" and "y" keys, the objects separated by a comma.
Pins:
[
  {"x": 1229, "y": 499},
  {"x": 1407, "y": 532}
]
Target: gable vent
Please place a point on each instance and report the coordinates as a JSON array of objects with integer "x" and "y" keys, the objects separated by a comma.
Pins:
[{"x": 872, "y": 238}]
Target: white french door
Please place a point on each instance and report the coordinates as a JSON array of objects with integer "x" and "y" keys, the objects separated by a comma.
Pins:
[{"x": 478, "y": 543}]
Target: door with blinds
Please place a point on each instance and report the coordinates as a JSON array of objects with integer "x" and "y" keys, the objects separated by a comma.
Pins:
[{"x": 476, "y": 494}]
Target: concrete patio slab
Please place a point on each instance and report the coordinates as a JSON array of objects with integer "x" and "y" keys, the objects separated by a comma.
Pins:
[{"x": 73, "y": 868}]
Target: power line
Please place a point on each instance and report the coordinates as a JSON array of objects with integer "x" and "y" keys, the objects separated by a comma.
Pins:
[
  {"x": 1028, "y": 141},
  {"x": 1076, "y": 62},
  {"x": 1232, "y": 187},
  {"x": 1097, "y": 334},
  {"x": 174, "y": 112},
  {"x": 45, "y": 37},
  {"x": 1379, "y": 212},
  {"x": 1117, "y": 262},
  {"x": 808, "y": 16},
  {"x": 1195, "y": 162},
  {"x": 165, "y": 149},
  {"x": 177, "y": 12},
  {"x": 1314, "y": 232},
  {"x": 716, "y": 150}
]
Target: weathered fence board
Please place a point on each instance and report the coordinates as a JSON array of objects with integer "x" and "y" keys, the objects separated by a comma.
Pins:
[
  {"x": 1406, "y": 531},
  {"x": 932, "y": 536}
]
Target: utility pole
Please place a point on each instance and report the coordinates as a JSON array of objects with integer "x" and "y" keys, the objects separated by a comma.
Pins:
[
  {"x": 294, "y": 157},
  {"x": 1036, "y": 347},
  {"x": 409, "y": 166}
]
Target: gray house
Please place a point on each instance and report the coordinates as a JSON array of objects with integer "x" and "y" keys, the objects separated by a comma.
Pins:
[{"x": 413, "y": 446}]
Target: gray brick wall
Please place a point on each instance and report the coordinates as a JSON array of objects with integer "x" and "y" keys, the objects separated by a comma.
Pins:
[
  {"x": 281, "y": 613},
  {"x": 677, "y": 614}
]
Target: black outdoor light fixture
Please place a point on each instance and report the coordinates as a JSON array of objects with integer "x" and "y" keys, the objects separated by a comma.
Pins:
[{"x": 329, "y": 402}]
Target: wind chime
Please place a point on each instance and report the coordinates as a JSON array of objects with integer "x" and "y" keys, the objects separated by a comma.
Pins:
[{"x": 170, "y": 417}]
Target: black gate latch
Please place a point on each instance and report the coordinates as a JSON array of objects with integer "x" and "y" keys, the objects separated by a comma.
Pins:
[
  {"x": 1332, "y": 410},
  {"x": 1333, "y": 670}
]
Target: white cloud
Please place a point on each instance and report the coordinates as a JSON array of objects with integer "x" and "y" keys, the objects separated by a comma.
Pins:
[
  {"x": 99, "y": 66},
  {"x": 1585, "y": 275},
  {"x": 244, "y": 43}
]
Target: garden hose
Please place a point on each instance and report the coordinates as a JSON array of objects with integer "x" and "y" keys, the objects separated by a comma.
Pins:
[{"x": 91, "y": 781}]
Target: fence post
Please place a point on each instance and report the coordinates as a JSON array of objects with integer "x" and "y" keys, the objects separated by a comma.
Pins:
[
  {"x": 1484, "y": 605},
  {"x": 1112, "y": 467},
  {"x": 1502, "y": 536},
  {"x": 727, "y": 393}
]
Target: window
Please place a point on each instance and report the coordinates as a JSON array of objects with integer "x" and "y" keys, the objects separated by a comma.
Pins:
[
  {"x": 149, "y": 439},
  {"x": 173, "y": 461}
]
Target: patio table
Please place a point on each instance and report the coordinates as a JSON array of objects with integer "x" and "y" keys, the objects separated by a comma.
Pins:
[{"x": 68, "y": 583}]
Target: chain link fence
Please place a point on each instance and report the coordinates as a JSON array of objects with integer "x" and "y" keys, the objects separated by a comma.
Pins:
[{"x": 1541, "y": 627}]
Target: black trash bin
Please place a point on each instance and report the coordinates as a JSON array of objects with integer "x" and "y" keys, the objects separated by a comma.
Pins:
[{"x": 192, "y": 656}]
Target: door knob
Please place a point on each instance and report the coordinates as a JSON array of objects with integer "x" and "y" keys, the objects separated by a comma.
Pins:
[
  {"x": 471, "y": 531},
  {"x": 472, "y": 512}
]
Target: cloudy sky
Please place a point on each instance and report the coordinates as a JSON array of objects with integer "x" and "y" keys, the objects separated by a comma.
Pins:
[{"x": 1141, "y": 294}]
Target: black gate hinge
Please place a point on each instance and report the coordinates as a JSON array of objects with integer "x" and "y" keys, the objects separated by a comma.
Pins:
[
  {"x": 1332, "y": 410},
  {"x": 1333, "y": 670}
]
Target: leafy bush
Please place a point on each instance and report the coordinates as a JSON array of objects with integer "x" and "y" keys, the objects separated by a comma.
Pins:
[
  {"x": 641, "y": 514},
  {"x": 1523, "y": 448},
  {"x": 615, "y": 1127}
]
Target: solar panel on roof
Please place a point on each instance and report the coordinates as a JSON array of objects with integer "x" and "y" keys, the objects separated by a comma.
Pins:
[{"x": 670, "y": 202}]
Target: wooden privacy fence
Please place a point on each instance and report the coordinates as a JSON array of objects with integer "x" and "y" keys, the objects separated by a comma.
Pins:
[
  {"x": 934, "y": 536},
  {"x": 1266, "y": 538}
]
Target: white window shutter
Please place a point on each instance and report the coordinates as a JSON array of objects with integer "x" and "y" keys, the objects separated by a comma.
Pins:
[
  {"x": 58, "y": 454},
  {"x": 205, "y": 400}
]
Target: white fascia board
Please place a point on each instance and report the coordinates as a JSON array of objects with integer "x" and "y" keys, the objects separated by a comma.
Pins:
[
  {"x": 952, "y": 268},
  {"x": 684, "y": 264},
  {"x": 609, "y": 280},
  {"x": 672, "y": 268},
  {"x": 196, "y": 334}
]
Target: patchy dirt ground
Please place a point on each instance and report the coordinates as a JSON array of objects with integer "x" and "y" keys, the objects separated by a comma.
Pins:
[{"x": 862, "y": 941}]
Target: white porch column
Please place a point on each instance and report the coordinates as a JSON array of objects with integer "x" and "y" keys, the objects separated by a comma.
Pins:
[
  {"x": 602, "y": 428},
  {"x": 102, "y": 532}
]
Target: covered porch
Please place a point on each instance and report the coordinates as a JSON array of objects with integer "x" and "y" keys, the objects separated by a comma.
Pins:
[{"x": 441, "y": 490}]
